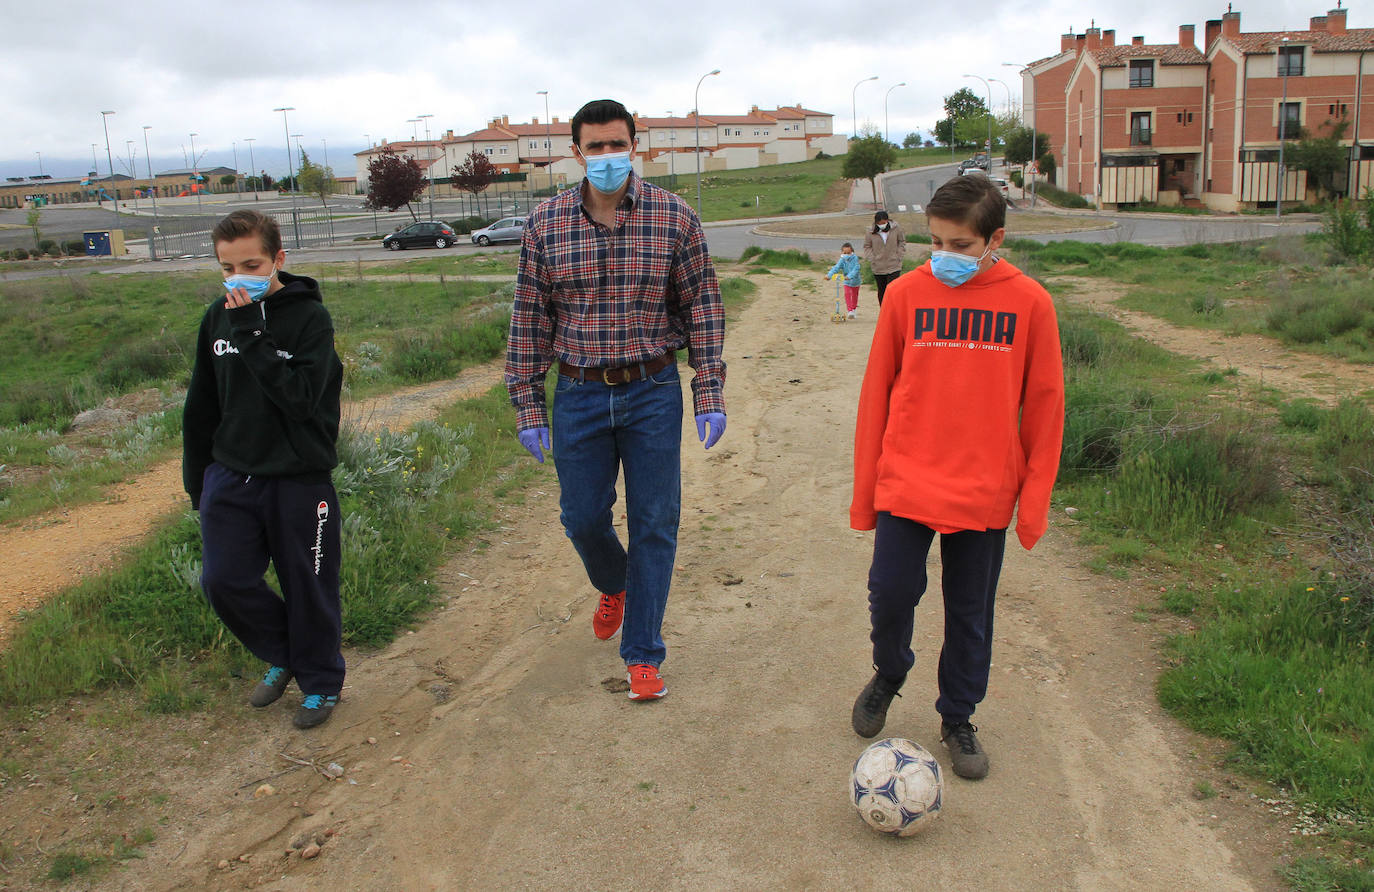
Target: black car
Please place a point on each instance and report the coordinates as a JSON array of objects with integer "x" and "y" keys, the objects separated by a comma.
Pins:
[{"x": 421, "y": 235}]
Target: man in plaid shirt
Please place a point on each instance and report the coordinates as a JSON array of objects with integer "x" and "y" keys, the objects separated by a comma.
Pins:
[{"x": 614, "y": 279}]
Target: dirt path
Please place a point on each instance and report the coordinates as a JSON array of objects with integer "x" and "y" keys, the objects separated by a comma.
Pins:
[
  {"x": 1260, "y": 360},
  {"x": 494, "y": 747},
  {"x": 45, "y": 554}
]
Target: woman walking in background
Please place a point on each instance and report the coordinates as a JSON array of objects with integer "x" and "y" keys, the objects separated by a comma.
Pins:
[{"x": 883, "y": 249}]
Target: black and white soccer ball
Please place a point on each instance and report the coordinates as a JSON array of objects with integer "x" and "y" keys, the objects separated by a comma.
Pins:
[{"x": 897, "y": 787}]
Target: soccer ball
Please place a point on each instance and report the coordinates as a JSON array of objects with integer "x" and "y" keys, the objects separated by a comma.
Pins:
[{"x": 897, "y": 787}]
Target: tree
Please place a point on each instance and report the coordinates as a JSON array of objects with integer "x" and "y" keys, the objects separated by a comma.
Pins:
[
  {"x": 393, "y": 180},
  {"x": 868, "y": 156},
  {"x": 912, "y": 141},
  {"x": 475, "y": 174},
  {"x": 1323, "y": 158},
  {"x": 961, "y": 105},
  {"x": 1018, "y": 142},
  {"x": 33, "y": 218},
  {"x": 315, "y": 179}
]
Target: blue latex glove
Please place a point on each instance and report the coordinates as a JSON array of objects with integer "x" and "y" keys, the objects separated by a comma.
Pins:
[
  {"x": 535, "y": 440},
  {"x": 713, "y": 420}
]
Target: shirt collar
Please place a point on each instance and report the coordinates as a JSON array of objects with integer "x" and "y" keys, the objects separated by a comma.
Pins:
[{"x": 630, "y": 198}]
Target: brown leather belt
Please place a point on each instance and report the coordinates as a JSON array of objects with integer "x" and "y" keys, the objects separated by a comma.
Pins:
[{"x": 621, "y": 375}]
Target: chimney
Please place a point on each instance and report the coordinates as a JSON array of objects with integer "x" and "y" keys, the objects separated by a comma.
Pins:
[
  {"x": 1335, "y": 21},
  {"x": 534, "y": 121},
  {"x": 505, "y": 120},
  {"x": 1185, "y": 36},
  {"x": 1230, "y": 24},
  {"x": 1080, "y": 43},
  {"x": 1109, "y": 37},
  {"x": 1138, "y": 40},
  {"x": 1094, "y": 36},
  {"x": 1211, "y": 31},
  {"x": 555, "y": 119},
  {"x": 448, "y": 134},
  {"x": 1317, "y": 23},
  {"x": 753, "y": 109},
  {"x": 1066, "y": 42}
]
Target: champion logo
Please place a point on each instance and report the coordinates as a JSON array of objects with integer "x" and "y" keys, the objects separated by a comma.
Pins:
[
  {"x": 222, "y": 346},
  {"x": 322, "y": 517}
]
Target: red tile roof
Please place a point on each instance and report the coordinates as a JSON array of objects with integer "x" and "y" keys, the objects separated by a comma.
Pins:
[
  {"x": 1352, "y": 41},
  {"x": 1166, "y": 53}
]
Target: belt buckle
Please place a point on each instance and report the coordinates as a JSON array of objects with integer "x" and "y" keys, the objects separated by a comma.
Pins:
[{"x": 605, "y": 377}]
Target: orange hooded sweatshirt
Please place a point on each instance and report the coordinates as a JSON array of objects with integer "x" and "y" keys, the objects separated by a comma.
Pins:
[{"x": 961, "y": 414}]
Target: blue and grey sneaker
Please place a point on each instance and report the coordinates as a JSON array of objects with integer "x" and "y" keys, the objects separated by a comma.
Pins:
[
  {"x": 272, "y": 686},
  {"x": 315, "y": 710}
]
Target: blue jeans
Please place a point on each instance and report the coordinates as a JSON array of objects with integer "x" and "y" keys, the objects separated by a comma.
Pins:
[{"x": 598, "y": 429}]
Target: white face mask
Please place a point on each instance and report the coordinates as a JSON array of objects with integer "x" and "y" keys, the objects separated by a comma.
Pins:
[{"x": 883, "y": 227}]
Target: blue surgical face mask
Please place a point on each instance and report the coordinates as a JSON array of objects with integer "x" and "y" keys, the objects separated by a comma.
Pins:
[
  {"x": 607, "y": 173},
  {"x": 953, "y": 268},
  {"x": 256, "y": 286}
]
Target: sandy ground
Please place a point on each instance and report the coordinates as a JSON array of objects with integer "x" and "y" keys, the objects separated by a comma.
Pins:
[{"x": 494, "y": 747}]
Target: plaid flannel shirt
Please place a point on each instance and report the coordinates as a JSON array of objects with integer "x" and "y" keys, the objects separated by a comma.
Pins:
[{"x": 590, "y": 296}]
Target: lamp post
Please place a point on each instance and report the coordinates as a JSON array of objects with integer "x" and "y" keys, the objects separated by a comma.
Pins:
[
  {"x": 251, "y": 166},
  {"x": 195, "y": 170},
  {"x": 1283, "y": 125},
  {"x": 989, "y": 86},
  {"x": 1035, "y": 156},
  {"x": 93, "y": 171},
  {"x": 238, "y": 183},
  {"x": 40, "y": 163},
  {"x": 886, "y": 137},
  {"x": 290, "y": 172},
  {"x": 133, "y": 172},
  {"x": 696, "y": 112},
  {"x": 104, "y": 122},
  {"x": 152, "y": 188},
  {"x": 430, "y": 169},
  {"x": 1004, "y": 87},
  {"x": 548, "y": 139},
  {"x": 854, "y": 106}
]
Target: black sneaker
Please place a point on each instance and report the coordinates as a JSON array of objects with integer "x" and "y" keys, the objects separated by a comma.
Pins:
[
  {"x": 272, "y": 686},
  {"x": 870, "y": 710},
  {"x": 962, "y": 739},
  {"x": 315, "y": 710}
]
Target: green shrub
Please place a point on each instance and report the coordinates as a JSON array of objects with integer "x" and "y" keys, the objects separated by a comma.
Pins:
[
  {"x": 19, "y": 253},
  {"x": 150, "y": 358},
  {"x": 1058, "y": 196},
  {"x": 794, "y": 258},
  {"x": 37, "y": 401},
  {"x": 74, "y": 247}
]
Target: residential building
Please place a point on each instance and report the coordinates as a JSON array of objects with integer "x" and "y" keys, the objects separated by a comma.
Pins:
[{"x": 1177, "y": 123}]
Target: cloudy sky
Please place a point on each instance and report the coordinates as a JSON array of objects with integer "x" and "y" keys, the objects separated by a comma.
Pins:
[{"x": 355, "y": 70}]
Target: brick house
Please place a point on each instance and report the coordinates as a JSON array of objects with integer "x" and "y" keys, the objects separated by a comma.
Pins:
[{"x": 1172, "y": 123}]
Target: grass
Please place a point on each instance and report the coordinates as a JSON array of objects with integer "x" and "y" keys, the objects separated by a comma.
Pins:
[
  {"x": 804, "y": 187},
  {"x": 1259, "y": 516},
  {"x": 494, "y": 263}
]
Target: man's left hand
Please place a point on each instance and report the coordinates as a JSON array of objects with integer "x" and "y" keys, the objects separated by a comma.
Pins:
[{"x": 710, "y": 425}]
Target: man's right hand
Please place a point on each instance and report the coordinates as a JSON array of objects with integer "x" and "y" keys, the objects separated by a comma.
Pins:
[{"x": 535, "y": 440}]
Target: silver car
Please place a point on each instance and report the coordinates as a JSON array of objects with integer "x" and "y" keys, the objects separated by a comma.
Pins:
[{"x": 507, "y": 229}]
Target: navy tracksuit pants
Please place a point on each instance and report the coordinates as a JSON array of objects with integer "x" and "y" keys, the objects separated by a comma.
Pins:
[
  {"x": 972, "y": 562},
  {"x": 246, "y": 521}
]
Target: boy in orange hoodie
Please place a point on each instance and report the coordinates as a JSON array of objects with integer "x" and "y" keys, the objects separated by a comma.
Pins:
[{"x": 960, "y": 420}]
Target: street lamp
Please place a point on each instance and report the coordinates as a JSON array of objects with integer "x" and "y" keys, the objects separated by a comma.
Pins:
[
  {"x": 104, "y": 122},
  {"x": 1004, "y": 87},
  {"x": 133, "y": 172},
  {"x": 153, "y": 188},
  {"x": 989, "y": 86},
  {"x": 251, "y": 166},
  {"x": 854, "y": 106},
  {"x": 548, "y": 140},
  {"x": 1283, "y": 125},
  {"x": 40, "y": 163},
  {"x": 430, "y": 169},
  {"x": 195, "y": 170},
  {"x": 696, "y": 112},
  {"x": 886, "y": 138},
  {"x": 290, "y": 172}
]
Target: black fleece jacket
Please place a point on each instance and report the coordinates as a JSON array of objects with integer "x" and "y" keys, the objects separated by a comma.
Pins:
[{"x": 264, "y": 394}]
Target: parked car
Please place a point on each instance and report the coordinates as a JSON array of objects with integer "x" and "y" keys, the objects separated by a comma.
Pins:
[
  {"x": 421, "y": 235},
  {"x": 507, "y": 229},
  {"x": 978, "y": 161},
  {"x": 996, "y": 181}
]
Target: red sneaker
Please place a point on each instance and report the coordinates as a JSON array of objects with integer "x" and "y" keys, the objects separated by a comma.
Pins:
[
  {"x": 645, "y": 682},
  {"x": 610, "y": 611}
]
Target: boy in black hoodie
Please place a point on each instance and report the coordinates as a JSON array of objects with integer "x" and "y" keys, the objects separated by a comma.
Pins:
[{"x": 259, "y": 432}]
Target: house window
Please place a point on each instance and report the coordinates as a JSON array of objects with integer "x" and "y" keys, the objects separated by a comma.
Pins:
[
  {"x": 1142, "y": 73},
  {"x": 1290, "y": 119},
  {"x": 489, "y": 150},
  {"x": 503, "y": 150},
  {"x": 1140, "y": 128},
  {"x": 1290, "y": 61}
]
